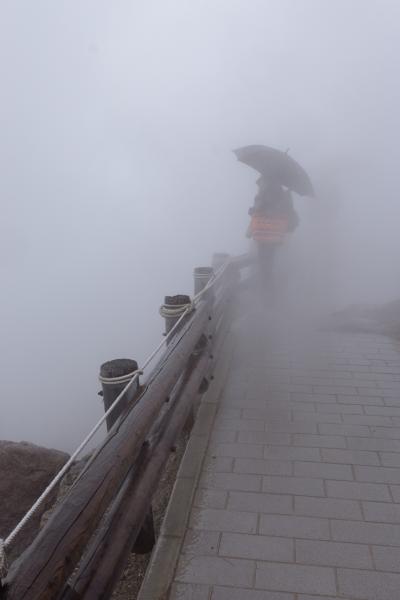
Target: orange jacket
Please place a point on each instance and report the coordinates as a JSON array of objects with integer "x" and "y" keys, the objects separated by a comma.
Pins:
[{"x": 268, "y": 229}]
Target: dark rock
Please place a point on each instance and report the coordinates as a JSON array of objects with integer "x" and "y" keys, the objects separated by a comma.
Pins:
[
  {"x": 25, "y": 471},
  {"x": 380, "y": 319}
]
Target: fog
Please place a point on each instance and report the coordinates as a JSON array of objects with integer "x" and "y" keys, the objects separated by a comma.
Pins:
[{"x": 117, "y": 178}]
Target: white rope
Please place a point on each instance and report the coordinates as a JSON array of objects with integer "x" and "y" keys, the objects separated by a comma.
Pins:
[
  {"x": 133, "y": 376},
  {"x": 69, "y": 462},
  {"x": 212, "y": 280},
  {"x": 171, "y": 311},
  {"x": 115, "y": 380}
]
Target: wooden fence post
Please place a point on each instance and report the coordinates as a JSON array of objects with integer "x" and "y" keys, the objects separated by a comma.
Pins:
[
  {"x": 170, "y": 310},
  {"x": 202, "y": 276},
  {"x": 114, "y": 376},
  {"x": 218, "y": 259}
]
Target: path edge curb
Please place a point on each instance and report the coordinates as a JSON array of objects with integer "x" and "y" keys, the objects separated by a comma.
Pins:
[{"x": 161, "y": 569}]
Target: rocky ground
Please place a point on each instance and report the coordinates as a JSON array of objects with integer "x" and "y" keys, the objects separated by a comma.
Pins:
[
  {"x": 381, "y": 319},
  {"x": 25, "y": 471}
]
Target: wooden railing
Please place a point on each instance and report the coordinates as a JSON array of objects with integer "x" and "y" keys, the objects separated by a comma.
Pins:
[{"x": 82, "y": 550}]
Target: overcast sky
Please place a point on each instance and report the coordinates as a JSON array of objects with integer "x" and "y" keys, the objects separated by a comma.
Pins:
[{"x": 117, "y": 178}]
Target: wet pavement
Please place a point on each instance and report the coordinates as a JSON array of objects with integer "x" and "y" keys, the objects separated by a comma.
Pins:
[{"x": 299, "y": 494}]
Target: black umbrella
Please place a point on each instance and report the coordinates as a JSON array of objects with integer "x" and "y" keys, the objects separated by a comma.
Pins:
[{"x": 276, "y": 165}]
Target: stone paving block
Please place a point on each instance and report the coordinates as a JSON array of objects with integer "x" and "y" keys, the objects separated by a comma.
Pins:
[
  {"x": 350, "y": 457},
  {"x": 303, "y": 406},
  {"x": 292, "y": 427},
  {"x": 319, "y": 441},
  {"x": 344, "y": 409},
  {"x": 223, "y": 520},
  {"x": 225, "y": 593},
  {"x": 237, "y": 450},
  {"x": 257, "y": 547},
  {"x": 355, "y": 490},
  {"x": 360, "y": 383},
  {"x": 295, "y": 578},
  {"x": 292, "y": 453},
  {"x": 264, "y": 437},
  {"x": 373, "y": 444},
  {"x": 231, "y": 481},
  {"x": 301, "y": 486},
  {"x": 213, "y": 570},
  {"x": 218, "y": 464},
  {"x": 292, "y": 388},
  {"x": 391, "y": 385},
  {"x": 318, "y": 398},
  {"x": 385, "y": 432},
  {"x": 255, "y": 413},
  {"x": 210, "y": 498},
  {"x": 324, "y": 470},
  {"x": 189, "y": 591},
  {"x": 386, "y": 559},
  {"x": 239, "y": 424},
  {"x": 243, "y": 402},
  {"x": 389, "y": 411},
  {"x": 223, "y": 436},
  {"x": 333, "y": 554},
  {"x": 395, "y": 401},
  {"x": 263, "y": 467},
  {"x": 395, "y": 489},
  {"x": 201, "y": 542},
  {"x": 322, "y": 417},
  {"x": 374, "y": 421},
  {"x": 327, "y": 507},
  {"x": 260, "y": 503},
  {"x": 387, "y": 370},
  {"x": 360, "y": 399},
  {"x": 381, "y": 512},
  {"x": 378, "y": 474},
  {"x": 228, "y": 413},
  {"x": 307, "y": 597},
  {"x": 367, "y": 585},
  {"x": 294, "y": 526},
  {"x": 336, "y": 389},
  {"x": 342, "y": 429},
  {"x": 366, "y": 533}
]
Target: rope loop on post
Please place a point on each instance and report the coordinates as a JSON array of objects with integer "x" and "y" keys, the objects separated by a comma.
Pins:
[
  {"x": 3, "y": 560},
  {"x": 173, "y": 311},
  {"x": 203, "y": 273},
  {"x": 121, "y": 379}
]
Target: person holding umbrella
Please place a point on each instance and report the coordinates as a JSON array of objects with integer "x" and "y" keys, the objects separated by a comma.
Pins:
[{"x": 273, "y": 215}]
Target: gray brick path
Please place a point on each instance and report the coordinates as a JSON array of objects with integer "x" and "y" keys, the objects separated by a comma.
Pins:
[{"x": 299, "y": 495}]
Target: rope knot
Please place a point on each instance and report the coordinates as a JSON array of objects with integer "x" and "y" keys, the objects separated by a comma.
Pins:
[{"x": 173, "y": 311}]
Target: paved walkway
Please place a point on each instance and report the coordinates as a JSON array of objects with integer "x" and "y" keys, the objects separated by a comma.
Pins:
[{"x": 299, "y": 495}]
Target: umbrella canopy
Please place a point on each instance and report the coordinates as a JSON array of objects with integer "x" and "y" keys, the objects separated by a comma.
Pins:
[{"x": 276, "y": 165}]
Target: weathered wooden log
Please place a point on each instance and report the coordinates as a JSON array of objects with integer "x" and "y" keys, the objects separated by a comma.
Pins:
[
  {"x": 103, "y": 563},
  {"x": 172, "y": 310},
  {"x": 202, "y": 276},
  {"x": 218, "y": 259},
  {"x": 41, "y": 571},
  {"x": 114, "y": 376}
]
